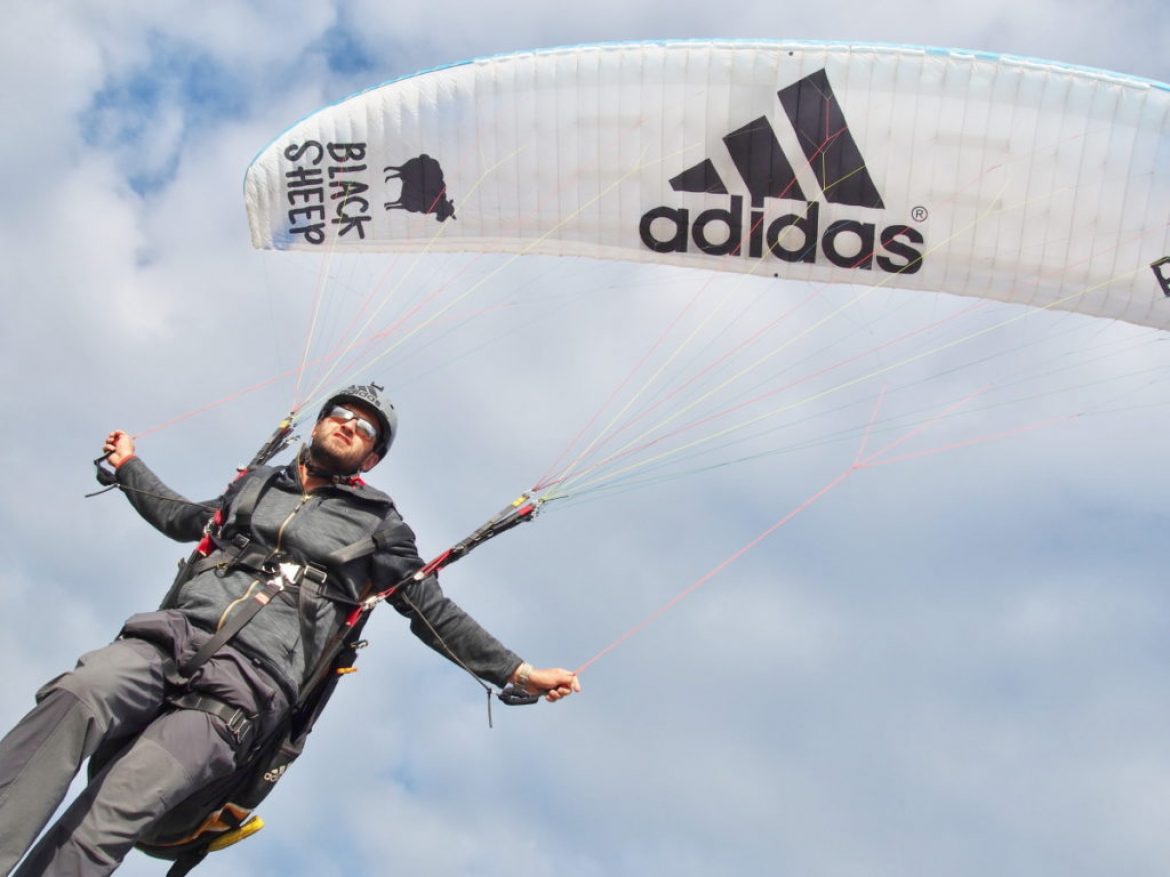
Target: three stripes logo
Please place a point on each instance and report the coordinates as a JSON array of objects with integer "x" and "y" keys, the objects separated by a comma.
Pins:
[
  {"x": 832, "y": 158},
  {"x": 1161, "y": 269}
]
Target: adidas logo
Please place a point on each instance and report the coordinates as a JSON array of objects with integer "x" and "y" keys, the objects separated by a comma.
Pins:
[
  {"x": 833, "y": 158},
  {"x": 1161, "y": 269}
]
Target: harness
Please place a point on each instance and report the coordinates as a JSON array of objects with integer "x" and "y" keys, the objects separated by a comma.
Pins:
[{"x": 229, "y": 545}]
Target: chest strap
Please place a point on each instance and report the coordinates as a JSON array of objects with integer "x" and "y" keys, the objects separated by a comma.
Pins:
[
  {"x": 242, "y": 553},
  {"x": 386, "y": 535}
]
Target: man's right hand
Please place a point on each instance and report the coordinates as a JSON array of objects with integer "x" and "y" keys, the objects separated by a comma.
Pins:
[{"x": 119, "y": 447}]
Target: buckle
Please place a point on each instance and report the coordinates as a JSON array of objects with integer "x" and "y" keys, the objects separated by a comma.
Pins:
[
  {"x": 314, "y": 573},
  {"x": 292, "y": 574},
  {"x": 238, "y": 722}
]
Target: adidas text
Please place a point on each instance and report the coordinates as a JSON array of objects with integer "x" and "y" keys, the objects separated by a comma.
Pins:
[{"x": 846, "y": 243}]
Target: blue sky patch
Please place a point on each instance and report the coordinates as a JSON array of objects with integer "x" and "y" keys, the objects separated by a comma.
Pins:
[
  {"x": 124, "y": 112},
  {"x": 344, "y": 52}
]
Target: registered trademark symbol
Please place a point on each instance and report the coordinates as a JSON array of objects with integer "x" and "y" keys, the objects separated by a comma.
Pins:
[{"x": 919, "y": 214}]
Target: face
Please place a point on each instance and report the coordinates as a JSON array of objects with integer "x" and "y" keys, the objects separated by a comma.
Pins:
[{"x": 342, "y": 446}]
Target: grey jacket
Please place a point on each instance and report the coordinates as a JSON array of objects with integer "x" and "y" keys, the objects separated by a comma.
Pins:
[{"x": 288, "y": 634}]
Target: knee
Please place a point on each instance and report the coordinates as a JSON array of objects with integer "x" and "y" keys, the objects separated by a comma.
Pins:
[{"x": 113, "y": 686}]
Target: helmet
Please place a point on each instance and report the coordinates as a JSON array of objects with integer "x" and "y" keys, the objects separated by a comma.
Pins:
[{"x": 371, "y": 396}]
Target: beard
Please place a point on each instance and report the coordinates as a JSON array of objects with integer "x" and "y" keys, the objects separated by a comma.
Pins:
[{"x": 335, "y": 462}]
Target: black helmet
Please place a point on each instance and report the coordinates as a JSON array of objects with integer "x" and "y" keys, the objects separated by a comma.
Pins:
[{"x": 371, "y": 396}]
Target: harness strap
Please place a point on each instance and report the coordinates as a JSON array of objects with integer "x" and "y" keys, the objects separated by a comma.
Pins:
[
  {"x": 305, "y": 623},
  {"x": 186, "y": 863},
  {"x": 237, "y": 719},
  {"x": 367, "y": 545},
  {"x": 240, "y": 552},
  {"x": 243, "y": 554},
  {"x": 249, "y": 496}
]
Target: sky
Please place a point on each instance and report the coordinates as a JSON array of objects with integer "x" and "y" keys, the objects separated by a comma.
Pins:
[{"x": 952, "y": 665}]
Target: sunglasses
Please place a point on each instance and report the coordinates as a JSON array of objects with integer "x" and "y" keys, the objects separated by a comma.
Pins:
[{"x": 360, "y": 423}]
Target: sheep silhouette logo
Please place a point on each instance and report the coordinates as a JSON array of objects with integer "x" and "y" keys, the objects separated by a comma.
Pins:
[{"x": 423, "y": 188}]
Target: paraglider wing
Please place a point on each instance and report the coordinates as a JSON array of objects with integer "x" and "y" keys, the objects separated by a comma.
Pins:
[{"x": 975, "y": 174}]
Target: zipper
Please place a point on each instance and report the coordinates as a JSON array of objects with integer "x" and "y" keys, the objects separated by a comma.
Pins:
[{"x": 305, "y": 497}]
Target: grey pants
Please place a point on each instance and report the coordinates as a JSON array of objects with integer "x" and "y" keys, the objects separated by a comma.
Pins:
[{"x": 117, "y": 692}]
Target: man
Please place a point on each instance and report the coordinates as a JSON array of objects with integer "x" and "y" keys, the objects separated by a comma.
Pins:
[{"x": 280, "y": 566}]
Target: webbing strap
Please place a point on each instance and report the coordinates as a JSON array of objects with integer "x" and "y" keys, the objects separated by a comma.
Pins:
[
  {"x": 245, "y": 556},
  {"x": 249, "y": 495},
  {"x": 236, "y": 718},
  {"x": 186, "y": 863},
  {"x": 366, "y": 545}
]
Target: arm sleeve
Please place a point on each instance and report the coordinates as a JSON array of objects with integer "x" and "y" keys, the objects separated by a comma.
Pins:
[
  {"x": 167, "y": 511},
  {"x": 438, "y": 620}
]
